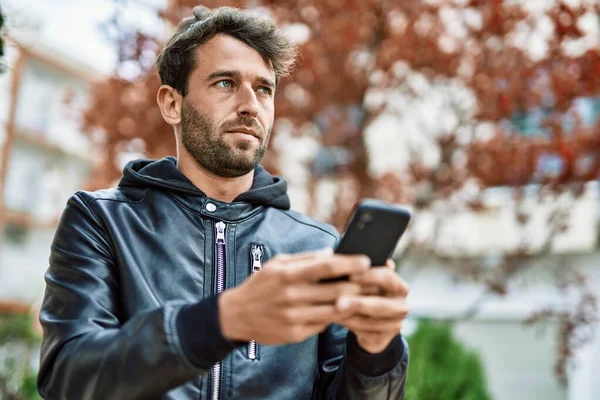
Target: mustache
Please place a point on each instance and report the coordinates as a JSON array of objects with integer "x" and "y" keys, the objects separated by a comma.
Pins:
[{"x": 248, "y": 122}]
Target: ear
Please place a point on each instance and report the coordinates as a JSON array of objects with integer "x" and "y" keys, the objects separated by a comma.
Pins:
[{"x": 169, "y": 101}]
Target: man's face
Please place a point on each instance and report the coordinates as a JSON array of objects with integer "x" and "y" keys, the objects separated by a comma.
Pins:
[{"x": 227, "y": 115}]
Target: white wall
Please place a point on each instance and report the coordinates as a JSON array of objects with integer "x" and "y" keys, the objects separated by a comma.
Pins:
[
  {"x": 519, "y": 365},
  {"x": 22, "y": 266},
  {"x": 519, "y": 361}
]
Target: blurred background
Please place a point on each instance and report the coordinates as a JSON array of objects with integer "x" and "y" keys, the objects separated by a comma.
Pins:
[{"x": 483, "y": 116}]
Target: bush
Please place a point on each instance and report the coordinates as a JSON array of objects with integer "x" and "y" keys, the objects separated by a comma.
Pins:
[
  {"x": 441, "y": 368},
  {"x": 18, "y": 341}
]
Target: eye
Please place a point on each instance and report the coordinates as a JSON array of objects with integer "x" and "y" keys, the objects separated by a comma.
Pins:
[
  {"x": 226, "y": 83},
  {"x": 266, "y": 90}
]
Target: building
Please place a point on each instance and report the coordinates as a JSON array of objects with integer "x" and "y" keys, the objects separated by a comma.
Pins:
[{"x": 44, "y": 157}]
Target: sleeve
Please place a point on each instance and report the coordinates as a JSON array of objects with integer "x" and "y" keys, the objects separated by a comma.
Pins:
[
  {"x": 87, "y": 351},
  {"x": 346, "y": 371}
]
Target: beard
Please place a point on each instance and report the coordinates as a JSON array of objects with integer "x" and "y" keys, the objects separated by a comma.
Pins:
[{"x": 205, "y": 141}]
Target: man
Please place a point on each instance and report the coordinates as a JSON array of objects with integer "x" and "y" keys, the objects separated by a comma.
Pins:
[{"x": 193, "y": 279}]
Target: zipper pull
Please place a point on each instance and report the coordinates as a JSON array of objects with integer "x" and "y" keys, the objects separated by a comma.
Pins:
[
  {"x": 220, "y": 232},
  {"x": 257, "y": 252}
]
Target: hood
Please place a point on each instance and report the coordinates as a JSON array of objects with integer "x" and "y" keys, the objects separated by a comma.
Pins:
[{"x": 267, "y": 190}]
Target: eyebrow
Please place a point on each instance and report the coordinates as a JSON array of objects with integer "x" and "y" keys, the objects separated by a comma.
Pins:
[{"x": 221, "y": 73}]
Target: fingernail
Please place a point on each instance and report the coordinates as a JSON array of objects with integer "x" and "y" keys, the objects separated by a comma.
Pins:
[{"x": 343, "y": 303}]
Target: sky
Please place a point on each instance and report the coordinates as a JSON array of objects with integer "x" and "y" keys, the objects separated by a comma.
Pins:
[{"x": 73, "y": 25}]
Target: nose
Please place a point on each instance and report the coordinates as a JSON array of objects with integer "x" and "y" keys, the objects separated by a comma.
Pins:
[{"x": 247, "y": 102}]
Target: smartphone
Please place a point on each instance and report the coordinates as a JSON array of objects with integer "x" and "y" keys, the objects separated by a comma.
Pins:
[{"x": 374, "y": 229}]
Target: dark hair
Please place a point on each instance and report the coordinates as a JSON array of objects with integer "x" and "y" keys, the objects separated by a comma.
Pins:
[{"x": 178, "y": 59}]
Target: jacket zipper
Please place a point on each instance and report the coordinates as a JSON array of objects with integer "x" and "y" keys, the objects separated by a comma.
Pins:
[
  {"x": 221, "y": 229},
  {"x": 256, "y": 251}
]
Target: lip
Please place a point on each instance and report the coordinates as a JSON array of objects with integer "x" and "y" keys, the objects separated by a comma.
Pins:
[{"x": 246, "y": 131}]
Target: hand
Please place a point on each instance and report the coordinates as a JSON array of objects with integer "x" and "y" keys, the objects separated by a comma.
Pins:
[
  {"x": 284, "y": 303},
  {"x": 376, "y": 320}
]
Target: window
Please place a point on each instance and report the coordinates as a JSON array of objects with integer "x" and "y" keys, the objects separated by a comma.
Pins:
[
  {"x": 39, "y": 182},
  {"x": 38, "y": 95}
]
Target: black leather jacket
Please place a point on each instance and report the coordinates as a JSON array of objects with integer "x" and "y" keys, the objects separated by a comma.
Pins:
[{"x": 130, "y": 309}]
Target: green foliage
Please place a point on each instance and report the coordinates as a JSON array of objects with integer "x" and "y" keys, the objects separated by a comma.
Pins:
[
  {"x": 29, "y": 388},
  {"x": 17, "y": 327},
  {"x": 17, "y": 341},
  {"x": 441, "y": 368}
]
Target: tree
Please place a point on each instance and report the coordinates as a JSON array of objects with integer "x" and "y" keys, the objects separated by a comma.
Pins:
[{"x": 488, "y": 67}]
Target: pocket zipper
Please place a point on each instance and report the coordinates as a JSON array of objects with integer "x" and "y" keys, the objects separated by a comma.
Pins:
[{"x": 256, "y": 252}]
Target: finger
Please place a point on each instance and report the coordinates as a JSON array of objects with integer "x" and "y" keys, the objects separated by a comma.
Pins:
[
  {"x": 328, "y": 293},
  {"x": 367, "y": 290},
  {"x": 391, "y": 264},
  {"x": 305, "y": 255},
  {"x": 374, "y": 306},
  {"x": 315, "y": 269},
  {"x": 310, "y": 315},
  {"x": 384, "y": 278},
  {"x": 367, "y": 324},
  {"x": 301, "y": 333},
  {"x": 315, "y": 293}
]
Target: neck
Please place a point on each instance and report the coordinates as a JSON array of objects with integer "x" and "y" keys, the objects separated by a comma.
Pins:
[{"x": 214, "y": 186}]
